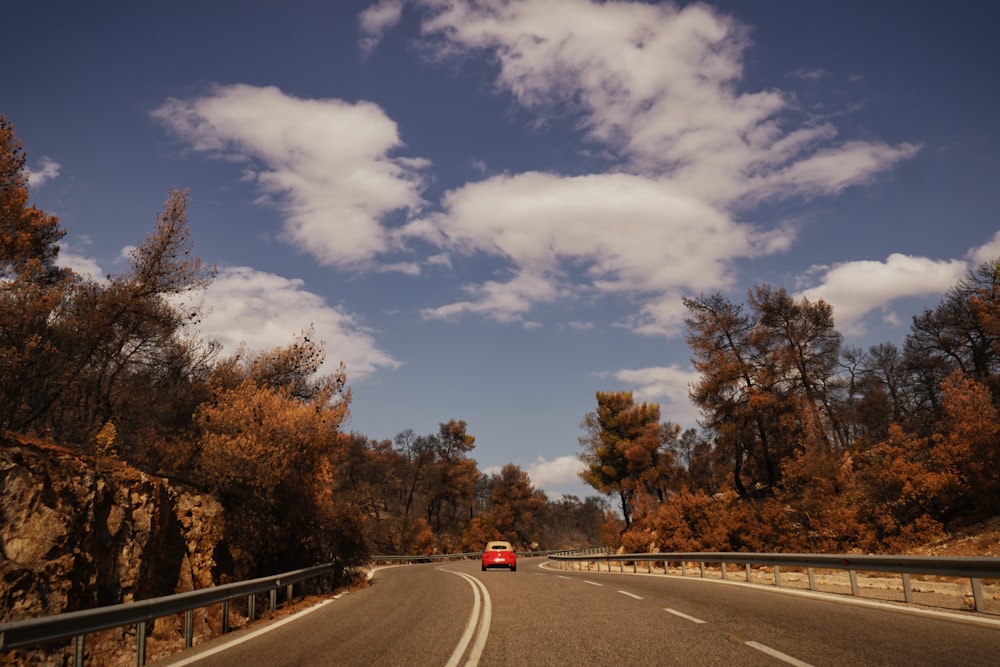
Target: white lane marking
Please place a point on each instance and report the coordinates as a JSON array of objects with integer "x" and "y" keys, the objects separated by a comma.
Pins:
[
  {"x": 778, "y": 654},
  {"x": 830, "y": 597},
  {"x": 484, "y": 628},
  {"x": 592, "y": 583},
  {"x": 631, "y": 595},
  {"x": 256, "y": 633},
  {"x": 563, "y": 577},
  {"x": 693, "y": 619},
  {"x": 481, "y": 599}
]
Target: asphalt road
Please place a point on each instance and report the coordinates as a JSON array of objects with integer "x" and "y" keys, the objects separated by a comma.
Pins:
[{"x": 453, "y": 614}]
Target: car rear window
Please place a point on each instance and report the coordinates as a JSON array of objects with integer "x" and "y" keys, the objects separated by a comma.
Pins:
[{"x": 499, "y": 547}]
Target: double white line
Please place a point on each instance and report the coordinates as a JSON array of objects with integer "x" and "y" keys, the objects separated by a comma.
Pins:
[{"x": 477, "y": 628}]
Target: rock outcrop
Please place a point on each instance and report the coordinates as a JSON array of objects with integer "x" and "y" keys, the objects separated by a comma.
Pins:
[{"x": 78, "y": 533}]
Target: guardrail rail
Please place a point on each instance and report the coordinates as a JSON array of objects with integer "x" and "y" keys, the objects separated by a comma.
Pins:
[
  {"x": 76, "y": 625},
  {"x": 974, "y": 568}
]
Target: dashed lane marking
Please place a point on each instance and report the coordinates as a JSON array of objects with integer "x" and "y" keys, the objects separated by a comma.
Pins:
[
  {"x": 784, "y": 657},
  {"x": 686, "y": 617}
]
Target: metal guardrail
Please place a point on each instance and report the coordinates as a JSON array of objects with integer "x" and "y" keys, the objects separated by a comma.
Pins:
[
  {"x": 973, "y": 568},
  {"x": 77, "y": 624}
]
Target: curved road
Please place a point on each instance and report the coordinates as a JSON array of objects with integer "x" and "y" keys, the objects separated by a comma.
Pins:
[{"x": 453, "y": 614}]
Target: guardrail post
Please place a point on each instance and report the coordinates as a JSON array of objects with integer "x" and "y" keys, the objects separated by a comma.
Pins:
[
  {"x": 273, "y": 595},
  {"x": 288, "y": 594},
  {"x": 140, "y": 643},
  {"x": 907, "y": 588},
  {"x": 854, "y": 581},
  {"x": 812, "y": 578},
  {"x": 78, "y": 650},
  {"x": 977, "y": 594},
  {"x": 777, "y": 575},
  {"x": 225, "y": 616},
  {"x": 722, "y": 567},
  {"x": 701, "y": 567},
  {"x": 189, "y": 628},
  {"x": 747, "y": 565},
  {"x": 251, "y": 607},
  {"x": 684, "y": 568}
]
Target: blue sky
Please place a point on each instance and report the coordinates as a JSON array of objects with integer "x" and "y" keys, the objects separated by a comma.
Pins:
[{"x": 491, "y": 210}]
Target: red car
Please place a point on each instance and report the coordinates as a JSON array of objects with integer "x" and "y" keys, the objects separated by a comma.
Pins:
[{"x": 499, "y": 554}]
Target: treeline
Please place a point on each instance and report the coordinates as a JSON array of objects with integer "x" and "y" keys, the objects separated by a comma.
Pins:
[
  {"x": 808, "y": 445},
  {"x": 113, "y": 369}
]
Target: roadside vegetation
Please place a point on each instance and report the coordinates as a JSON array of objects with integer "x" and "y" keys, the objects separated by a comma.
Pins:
[
  {"x": 806, "y": 445},
  {"x": 114, "y": 369}
]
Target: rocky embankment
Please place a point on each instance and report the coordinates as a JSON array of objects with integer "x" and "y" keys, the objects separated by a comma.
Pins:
[{"x": 78, "y": 533}]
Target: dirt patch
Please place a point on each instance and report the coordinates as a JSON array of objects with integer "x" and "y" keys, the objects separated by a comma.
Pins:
[{"x": 982, "y": 540}]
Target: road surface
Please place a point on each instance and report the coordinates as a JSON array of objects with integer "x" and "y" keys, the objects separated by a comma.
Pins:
[{"x": 454, "y": 614}]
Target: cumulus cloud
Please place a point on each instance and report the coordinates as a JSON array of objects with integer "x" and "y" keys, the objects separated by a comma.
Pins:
[
  {"x": 264, "y": 311},
  {"x": 659, "y": 85},
  {"x": 829, "y": 171},
  {"x": 376, "y": 19},
  {"x": 555, "y": 475},
  {"x": 666, "y": 385},
  {"x": 76, "y": 259},
  {"x": 988, "y": 252},
  {"x": 243, "y": 306},
  {"x": 48, "y": 171},
  {"x": 326, "y": 164},
  {"x": 657, "y": 88},
  {"x": 625, "y": 233},
  {"x": 504, "y": 302},
  {"x": 855, "y": 289}
]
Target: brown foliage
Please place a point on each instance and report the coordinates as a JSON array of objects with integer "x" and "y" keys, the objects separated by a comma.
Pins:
[
  {"x": 516, "y": 506},
  {"x": 625, "y": 450},
  {"x": 808, "y": 449},
  {"x": 267, "y": 453}
]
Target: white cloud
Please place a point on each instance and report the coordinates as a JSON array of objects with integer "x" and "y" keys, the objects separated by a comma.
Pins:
[
  {"x": 814, "y": 74},
  {"x": 49, "y": 170},
  {"x": 266, "y": 311},
  {"x": 855, "y": 289},
  {"x": 555, "y": 474},
  {"x": 829, "y": 171},
  {"x": 657, "y": 87},
  {"x": 504, "y": 302},
  {"x": 326, "y": 164},
  {"x": 376, "y": 19},
  {"x": 660, "y": 316},
  {"x": 74, "y": 258},
  {"x": 661, "y": 240},
  {"x": 666, "y": 385},
  {"x": 988, "y": 252}
]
